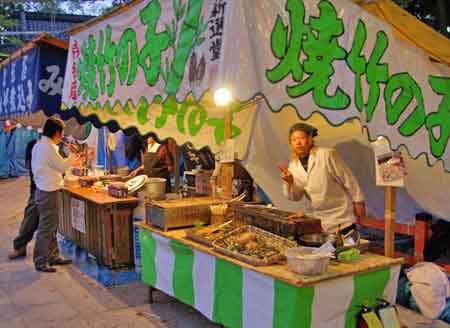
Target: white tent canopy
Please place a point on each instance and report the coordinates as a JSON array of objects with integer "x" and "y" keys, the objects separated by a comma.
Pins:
[
  {"x": 424, "y": 186},
  {"x": 154, "y": 65}
]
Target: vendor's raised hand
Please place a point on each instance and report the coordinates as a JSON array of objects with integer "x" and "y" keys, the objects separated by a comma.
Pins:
[
  {"x": 73, "y": 148},
  {"x": 286, "y": 175},
  {"x": 133, "y": 173}
]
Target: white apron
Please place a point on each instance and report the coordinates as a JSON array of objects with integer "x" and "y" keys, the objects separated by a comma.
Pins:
[{"x": 329, "y": 185}]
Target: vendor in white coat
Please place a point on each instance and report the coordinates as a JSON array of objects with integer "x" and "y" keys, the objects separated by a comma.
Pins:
[{"x": 321, "y": 176}]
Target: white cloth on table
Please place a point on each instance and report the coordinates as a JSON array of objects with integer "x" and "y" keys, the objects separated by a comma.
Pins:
[{"x": 430, "y": 288}]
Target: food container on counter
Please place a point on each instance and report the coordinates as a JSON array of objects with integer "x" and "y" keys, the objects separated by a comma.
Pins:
[
  {"x": 156, "y": 188},
  {"x": 314, "y": 239},
  {"x": 218, "y": 213},
  {"x": 87, "y": 181},
  {"x": 307, "y": 261},
  {"x": 254, "y": 246},
  {"x": 118, "y": 190},
  {"x": 177, "y": 213},
  {"x": 98, "y": 170},
  {"x": 123, "y": 171},
  {"x": 282, "y": 223},
  {"x": 71, "y": 181},
  {"x": 80, "y": 171}
]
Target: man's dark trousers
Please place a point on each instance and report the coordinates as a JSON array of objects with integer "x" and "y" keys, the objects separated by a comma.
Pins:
[
  {"x": 46, "y": 246},
  {"x": 29, "y": 223}
]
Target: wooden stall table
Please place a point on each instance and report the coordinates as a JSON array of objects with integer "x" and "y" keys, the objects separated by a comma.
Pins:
[
  {"x": 236, "y": 294},
  {"x": 99, "y": 223}
]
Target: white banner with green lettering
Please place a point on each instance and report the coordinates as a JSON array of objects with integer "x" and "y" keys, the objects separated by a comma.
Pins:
[
  {"x": 155, "y": 65},
  {"x": 151, "y": 67},
  {"x": 237, "y": 297}
]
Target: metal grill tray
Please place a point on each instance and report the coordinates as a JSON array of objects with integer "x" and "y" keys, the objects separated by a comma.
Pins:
[{"x": 279, "y": 242}]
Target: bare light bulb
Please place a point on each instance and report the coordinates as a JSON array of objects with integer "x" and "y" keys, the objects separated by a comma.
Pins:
[{"x": 222, "y": 97}]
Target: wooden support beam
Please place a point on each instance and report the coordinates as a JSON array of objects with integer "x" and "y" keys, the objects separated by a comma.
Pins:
[
  {"x": 226, "y": 169},
  {"x": 227, "y": 126},
  {"x": 389, "y": 230},
  {"x": 110, "y": 160},
  {"x": 176, "y": 168}
]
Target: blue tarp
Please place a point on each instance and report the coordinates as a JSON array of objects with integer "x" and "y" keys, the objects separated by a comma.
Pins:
[
  {"x": 12, "y": 151},
  {"x": 4, "y": 165},
  {"x": 88, "y": 265},
  {"x": 16, "y": 150},
  {"x": 118, "y": 155}
]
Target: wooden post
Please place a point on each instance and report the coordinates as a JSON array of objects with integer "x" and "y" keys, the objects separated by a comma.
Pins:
[
  {"x": 389, "y": 224},
  {"x": 227, "y": 125},
  {"x": 227, "y": 169},
  {"x": 176, "y": 169},
  {"x": 110, "y": 160}
]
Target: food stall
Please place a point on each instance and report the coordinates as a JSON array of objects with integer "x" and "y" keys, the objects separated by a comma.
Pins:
[
  {"x": 179, "y": 55},
  {"x": 98, "y": 223},
  {"x": 236, "y": 294}
]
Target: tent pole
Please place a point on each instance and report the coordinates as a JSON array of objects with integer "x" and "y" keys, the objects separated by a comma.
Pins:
[
  {"x": 227, "y": 125},
  {"x": 389, "y": 224},
  {"x": 176, "y": 165},
  {"x": 227, "y": 169}
]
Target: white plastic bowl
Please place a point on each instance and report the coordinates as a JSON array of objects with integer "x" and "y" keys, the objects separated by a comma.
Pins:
[{"x": 304, "y": 261}]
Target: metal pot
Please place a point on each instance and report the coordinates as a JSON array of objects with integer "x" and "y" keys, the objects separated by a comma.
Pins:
[
  {"x": 156, "y": 188},
  {"x": 314, "y": 239}
]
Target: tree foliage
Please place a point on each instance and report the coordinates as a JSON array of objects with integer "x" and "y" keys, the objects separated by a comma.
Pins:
[
  {"x": 435, "y": 13},
  {"x": 7, "y": 23}
]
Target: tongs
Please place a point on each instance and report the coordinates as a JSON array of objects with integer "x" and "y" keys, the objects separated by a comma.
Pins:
[
  {"x": 220, "y": 226},
  {"x": 340, "y": 239},
  {"x": 237, "y": 199}
]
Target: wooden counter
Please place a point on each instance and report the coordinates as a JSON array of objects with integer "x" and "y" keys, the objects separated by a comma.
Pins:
[
  {"x": 99, "y": 197},
  {"x": 367, "y": 262},
  {"x": 99, "y": 223}
]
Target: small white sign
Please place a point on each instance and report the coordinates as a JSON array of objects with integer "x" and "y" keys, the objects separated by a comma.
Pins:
[
  {"x": 389, "y": 165},
  {"x": 78, "y": 215}
]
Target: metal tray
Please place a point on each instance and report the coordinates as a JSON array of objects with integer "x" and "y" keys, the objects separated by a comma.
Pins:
[
  {"x": 281, "y": 243},
  {"x": 195, "y": 235}
]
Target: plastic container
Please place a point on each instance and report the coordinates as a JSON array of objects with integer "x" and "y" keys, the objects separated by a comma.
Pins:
[
  {"x": 98, "y": 170},
  {"x": 123, "y": 171},
  {"x": 304, "y": 261},
  {"x": 71, "y": 181},
  {"x": 218, "y": 213},
  {"x": 156, "y": 188}
]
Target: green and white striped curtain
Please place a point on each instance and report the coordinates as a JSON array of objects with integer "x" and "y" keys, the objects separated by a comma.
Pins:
[{"x": 236, "y": 297}]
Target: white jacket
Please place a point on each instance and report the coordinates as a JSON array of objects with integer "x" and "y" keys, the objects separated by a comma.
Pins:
[
  {"x": 329, "y": 186},
  {"x": 48, "y": 166}
]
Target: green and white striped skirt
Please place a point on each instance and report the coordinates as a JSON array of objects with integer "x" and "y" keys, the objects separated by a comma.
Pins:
[{"x": 236, "y": 297}]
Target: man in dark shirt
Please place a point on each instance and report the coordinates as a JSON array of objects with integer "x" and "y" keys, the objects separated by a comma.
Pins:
[{"x": 31, "y": 216}]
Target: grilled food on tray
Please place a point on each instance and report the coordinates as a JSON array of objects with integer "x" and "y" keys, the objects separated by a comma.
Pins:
[
  {"x": 207, "y": 235},
  {"x": 253, "y": 245}
]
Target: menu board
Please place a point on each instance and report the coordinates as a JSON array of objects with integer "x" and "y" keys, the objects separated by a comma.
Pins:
[{"x": 78, "y": 210}]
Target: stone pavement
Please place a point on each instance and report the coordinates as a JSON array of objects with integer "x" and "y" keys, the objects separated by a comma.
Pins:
[{"x": 71, "y": 299}]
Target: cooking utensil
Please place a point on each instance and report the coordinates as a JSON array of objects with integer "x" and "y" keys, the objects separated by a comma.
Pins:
[
  {"x": 220, "y": 226},
  {"x": 314, "y": 239},
  {"x": 236, "y": 199},
  {"x": 136, "y": 183}
]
